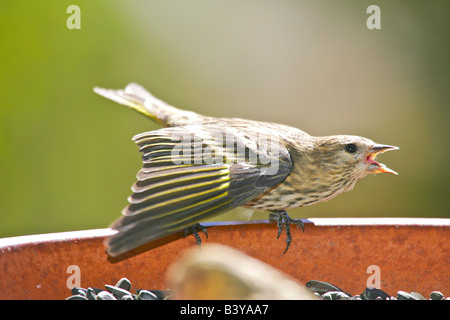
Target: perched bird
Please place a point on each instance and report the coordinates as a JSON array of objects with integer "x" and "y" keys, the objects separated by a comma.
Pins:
[{"x": 199, "y": 166}]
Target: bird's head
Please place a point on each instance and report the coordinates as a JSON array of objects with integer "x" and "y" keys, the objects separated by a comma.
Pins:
[{"x": 350, "y": 158}]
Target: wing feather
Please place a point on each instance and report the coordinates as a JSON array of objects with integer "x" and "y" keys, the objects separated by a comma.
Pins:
[{"x": 177, "y": 190}]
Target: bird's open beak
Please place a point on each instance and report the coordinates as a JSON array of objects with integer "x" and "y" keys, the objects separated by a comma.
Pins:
[{"x": 374, "y": 166}]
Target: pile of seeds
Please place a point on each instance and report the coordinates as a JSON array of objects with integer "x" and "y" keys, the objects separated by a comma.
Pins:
[
  {"x": 121, "y": 291},
  {"x": 324, "y": 290},
  {"x": 327, "y": 291}
]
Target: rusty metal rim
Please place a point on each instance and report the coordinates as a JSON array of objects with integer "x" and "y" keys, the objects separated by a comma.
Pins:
[
  {"x": 412, "y": 253},
  {"x": 329, "y": 222}
]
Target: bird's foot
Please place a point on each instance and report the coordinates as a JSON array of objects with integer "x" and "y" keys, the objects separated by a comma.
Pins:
[
  {"x": 283, "y": 221},
  {"x": 194, "y": 230}
]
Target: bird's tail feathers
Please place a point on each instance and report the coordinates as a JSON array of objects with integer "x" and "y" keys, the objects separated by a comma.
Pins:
[{"x": 137, "y": 98}]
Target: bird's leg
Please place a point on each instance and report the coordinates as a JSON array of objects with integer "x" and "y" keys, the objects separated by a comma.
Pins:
[
  {"x": 283, "y": 219},
  {"x": 274, "y": 217},
  {"x": 194, "y": 230}
]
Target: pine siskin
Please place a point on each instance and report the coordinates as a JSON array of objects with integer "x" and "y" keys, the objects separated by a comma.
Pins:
[{"x": 199, "y": 166}]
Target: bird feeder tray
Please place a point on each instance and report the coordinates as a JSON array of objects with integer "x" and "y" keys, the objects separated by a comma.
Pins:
[{"x": 409, "y": 254}]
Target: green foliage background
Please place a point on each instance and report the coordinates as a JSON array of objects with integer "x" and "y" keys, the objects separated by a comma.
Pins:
[{"x": 66, "y": 156}]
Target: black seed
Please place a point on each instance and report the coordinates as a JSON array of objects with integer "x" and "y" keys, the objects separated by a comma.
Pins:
[
  {"x": 90, "y": 294},
  {"x": 124, "y": 283},
  {"x": 372, "y": 293},
  {"x": 417, "y": 295},
  {"x": 105, "y": 295},
  {"x": 77, "y": 297},
  {"x": 437, "y": 295},
  {"x": 117, "y": 292},
  {"x": 323, "y": 287},
  {"x": 146, "y": 295},
  {"x": 78, "y": 291},
  {"x": 402, "y": 295}
]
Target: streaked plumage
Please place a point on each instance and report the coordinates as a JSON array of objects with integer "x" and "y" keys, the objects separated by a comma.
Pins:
[{"x": 211, "y": 176}]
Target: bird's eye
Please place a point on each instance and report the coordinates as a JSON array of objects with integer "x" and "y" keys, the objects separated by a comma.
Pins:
[{"x": 350, "y": 148}]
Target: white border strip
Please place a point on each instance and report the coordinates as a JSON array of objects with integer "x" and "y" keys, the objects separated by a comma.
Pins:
[
  {"x": 434, "y": 222},
  {"x": 57, "y": 236}
]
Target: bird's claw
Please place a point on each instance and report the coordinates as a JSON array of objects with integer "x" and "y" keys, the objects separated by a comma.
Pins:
[
  {"x": 283, "y": 221},
  {"x": 194, "y": 230}
]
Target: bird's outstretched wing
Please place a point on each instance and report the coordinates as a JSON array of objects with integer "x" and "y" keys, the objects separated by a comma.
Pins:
[{"x": 191, "y": 173}]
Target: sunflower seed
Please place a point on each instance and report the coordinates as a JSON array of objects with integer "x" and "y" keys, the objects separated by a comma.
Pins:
[
  {"x": 327, "y": 296},
  {"x": 322, "y": 287},
  {"x": 372, "y": 293},
  {"x": 417, "y": 295},
  {"x": 403, "y": 295},
  {"x": 437, "y": 295},
  {"x": 105, "y": 295},
  {"x": 117, "y": 292},
  {"x": 77, "y": 297},
  {"x": 78, "y": 291},
  {"x": 146, "y": 295},
  {"x": 96, "y": 290},
  {"x": 338, "y": 295},
  {"x": 124, "y": 283},
  {"x": 90, "y": 294}
]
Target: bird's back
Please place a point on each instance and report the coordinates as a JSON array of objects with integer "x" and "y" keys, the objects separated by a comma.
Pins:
[{"x": 139, "y": 99}]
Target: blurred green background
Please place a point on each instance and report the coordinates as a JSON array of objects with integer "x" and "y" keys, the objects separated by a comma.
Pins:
[{"x": 67, "y": 161}]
